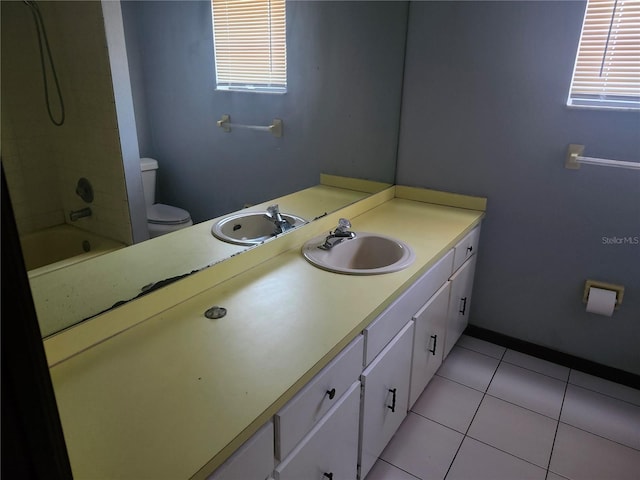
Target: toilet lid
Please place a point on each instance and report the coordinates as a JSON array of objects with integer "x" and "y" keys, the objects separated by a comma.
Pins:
[{"x": 167, "y": 215}]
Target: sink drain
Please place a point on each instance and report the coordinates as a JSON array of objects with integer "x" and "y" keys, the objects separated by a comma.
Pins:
[{"x": 215, "y": 312}]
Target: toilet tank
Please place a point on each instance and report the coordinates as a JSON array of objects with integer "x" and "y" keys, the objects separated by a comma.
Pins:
[{"x": 148, "y": 167}]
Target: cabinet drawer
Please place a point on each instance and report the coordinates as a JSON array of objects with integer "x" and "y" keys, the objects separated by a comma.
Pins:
[
  {"x": 330, "y": 450},
  {"x": 388, "y": 324},
  {"x": 252, "y": 461},
  {"x": 304, "y": 410},
  {"x": 466, "y": 247}
]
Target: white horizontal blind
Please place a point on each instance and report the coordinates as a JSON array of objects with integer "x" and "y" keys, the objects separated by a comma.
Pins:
[
  {"x": 607, "y": 70},
  {"x": 250, "y": 44}
]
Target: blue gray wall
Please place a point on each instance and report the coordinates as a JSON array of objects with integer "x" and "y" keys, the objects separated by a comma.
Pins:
[
  {"x": 340, "y": 113},
  {"x": 484, "y": 113}
]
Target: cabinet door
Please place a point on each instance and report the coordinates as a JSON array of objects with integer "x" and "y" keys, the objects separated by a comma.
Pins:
[
  {"x": 330, "y": 449},
  {"x": 253, "y": 461},
  {"x": 428, "y": 341},
  {"x": 459, "y": 303},
  {"x": 380, "y": 332},
  {"x": 385, "y": 398}
]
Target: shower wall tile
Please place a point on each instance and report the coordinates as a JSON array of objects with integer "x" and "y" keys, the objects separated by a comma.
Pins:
[{"x": 47, "y": 161}]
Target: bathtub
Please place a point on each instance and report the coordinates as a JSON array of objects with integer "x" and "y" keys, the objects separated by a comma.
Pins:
[{"x": 56, "y": 247}]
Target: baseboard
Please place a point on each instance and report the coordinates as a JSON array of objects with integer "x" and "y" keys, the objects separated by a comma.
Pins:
[{"x": 587, "y": 366}]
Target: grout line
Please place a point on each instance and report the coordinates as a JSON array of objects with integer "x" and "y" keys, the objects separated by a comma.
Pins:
[
  {"x": 599, "y": 436},
  {"x": 553, "y": 443},
  {"x": 484, "y": 394},
  {"x": 536, "y": 371},
  {"x": 528, "y": 409},
  {"x": 395, "y": 466},
  {"x": 508, "y": 453},
  {"x": 455, "y": 381},
  {"x": 482, "y": 353},
  {"x": 606, "y": 394},
  {"x": 435, "y": 421}
]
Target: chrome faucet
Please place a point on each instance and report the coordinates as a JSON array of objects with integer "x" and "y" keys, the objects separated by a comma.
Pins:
[
  {"x": 281, "y": 223},
  {"x": 341, "y": 233},
  {"x": 74, "y": 215}
]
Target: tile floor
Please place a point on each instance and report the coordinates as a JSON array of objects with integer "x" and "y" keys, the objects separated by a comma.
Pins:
[{"x": 493, "y": 413}]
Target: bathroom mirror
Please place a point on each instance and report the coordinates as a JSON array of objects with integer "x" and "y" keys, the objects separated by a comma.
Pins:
[{"x": 340, "y": 116}]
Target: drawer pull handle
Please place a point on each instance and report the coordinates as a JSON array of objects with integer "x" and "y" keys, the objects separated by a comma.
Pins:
[
  {"x": 392, "y": 407},
  {"x": 328, "y": 475},
  {"x": 435, "y": 342},
  {"x": 470, "y": 248},
  {"x": 331, "y": 393},
  {"x": 463, "y": 302}
]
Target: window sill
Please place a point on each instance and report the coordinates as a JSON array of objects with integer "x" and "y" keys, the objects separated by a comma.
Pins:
[
  {"x": 250, "y": 90},
  {"x": 603, "y": 108}
]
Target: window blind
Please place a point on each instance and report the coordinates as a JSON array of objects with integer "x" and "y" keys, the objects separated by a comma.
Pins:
[
  {"x": 607, "y": 69},
  {"x": 250, "y": 44}
]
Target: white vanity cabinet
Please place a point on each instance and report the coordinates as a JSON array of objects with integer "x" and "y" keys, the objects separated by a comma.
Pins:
[
  {"x": 385, "y": 395},
  {"x": 429, "y": 340},
  {"x": 461, "y": 288},
  {"x": 330, "y": 449},
  {"x": 459, "y": 303},
  {"x": 253, "y": 461},
  {"x": 388, "y": 323}
]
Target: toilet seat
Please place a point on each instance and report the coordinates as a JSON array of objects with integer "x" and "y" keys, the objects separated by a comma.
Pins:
[{"x": 160, "y": 214}]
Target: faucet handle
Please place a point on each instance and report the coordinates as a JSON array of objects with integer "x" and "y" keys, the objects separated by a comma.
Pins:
[
  {"x": 343, "y": 225},
  {"x": 273, "y": 210}
]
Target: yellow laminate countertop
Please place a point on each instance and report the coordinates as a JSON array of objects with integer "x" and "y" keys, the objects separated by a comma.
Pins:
[
  {"x": 78, "y": 291},
  {"x": 173, "y": 396}
]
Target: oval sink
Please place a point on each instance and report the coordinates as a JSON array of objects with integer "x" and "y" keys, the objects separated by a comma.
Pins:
[
  {"x": 250, "y": 228},
  {"x": 366, "y": 254}
]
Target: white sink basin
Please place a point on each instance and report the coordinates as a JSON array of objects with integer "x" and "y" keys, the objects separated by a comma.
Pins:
[
  {"x": 367, "y": 254},
  {"x": 250, "y": 228}
]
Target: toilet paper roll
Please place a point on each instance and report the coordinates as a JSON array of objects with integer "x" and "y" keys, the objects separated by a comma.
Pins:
[{"x": 601, "y": 301}]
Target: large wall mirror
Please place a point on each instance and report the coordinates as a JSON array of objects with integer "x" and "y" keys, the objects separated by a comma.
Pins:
[{"x": 136, "y": 80}]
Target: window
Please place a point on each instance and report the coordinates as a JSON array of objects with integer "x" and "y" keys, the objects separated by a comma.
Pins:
[
  {"x": 607, "y": 69},
  {"x": 250, "y": 45}
]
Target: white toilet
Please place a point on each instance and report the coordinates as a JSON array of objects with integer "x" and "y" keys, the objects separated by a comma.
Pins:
[{"x": 161, "y": 218}]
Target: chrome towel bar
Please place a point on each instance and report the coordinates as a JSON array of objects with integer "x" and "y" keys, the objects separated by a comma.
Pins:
[
  {"x": 574, "y": 159},
  {"x": 275, "y": 128}
]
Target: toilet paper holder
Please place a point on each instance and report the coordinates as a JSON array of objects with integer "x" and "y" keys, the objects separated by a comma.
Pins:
[{"x": 619, "y": 289}]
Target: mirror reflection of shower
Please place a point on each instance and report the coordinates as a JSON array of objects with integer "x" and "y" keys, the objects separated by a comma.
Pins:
[
  {"x": 43, "y": 156},
  {"x": 43, "y": 44}
]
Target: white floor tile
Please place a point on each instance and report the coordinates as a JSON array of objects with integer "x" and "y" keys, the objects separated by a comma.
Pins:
[
  {"x": 603, "y": 415},
  {"x": 478, "y": 461},
  {"x": 422, "y": 447},
  {"x": 579, "y": 455},
  {"x": 515, "y": 430},
  {"x": 469, "y": 368},
  {"x": 448, "y": 403},
  {"x": 606, "y": 387},
  {"x": 481, "y": 346},
  {"x": 528, "y": 389},
  {"x": 537, "y": 365},
  {"x": 382, "y": 470}
]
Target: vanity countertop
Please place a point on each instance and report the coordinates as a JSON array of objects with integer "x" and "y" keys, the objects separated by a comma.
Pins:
[{"x": 173, "y": 396}]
